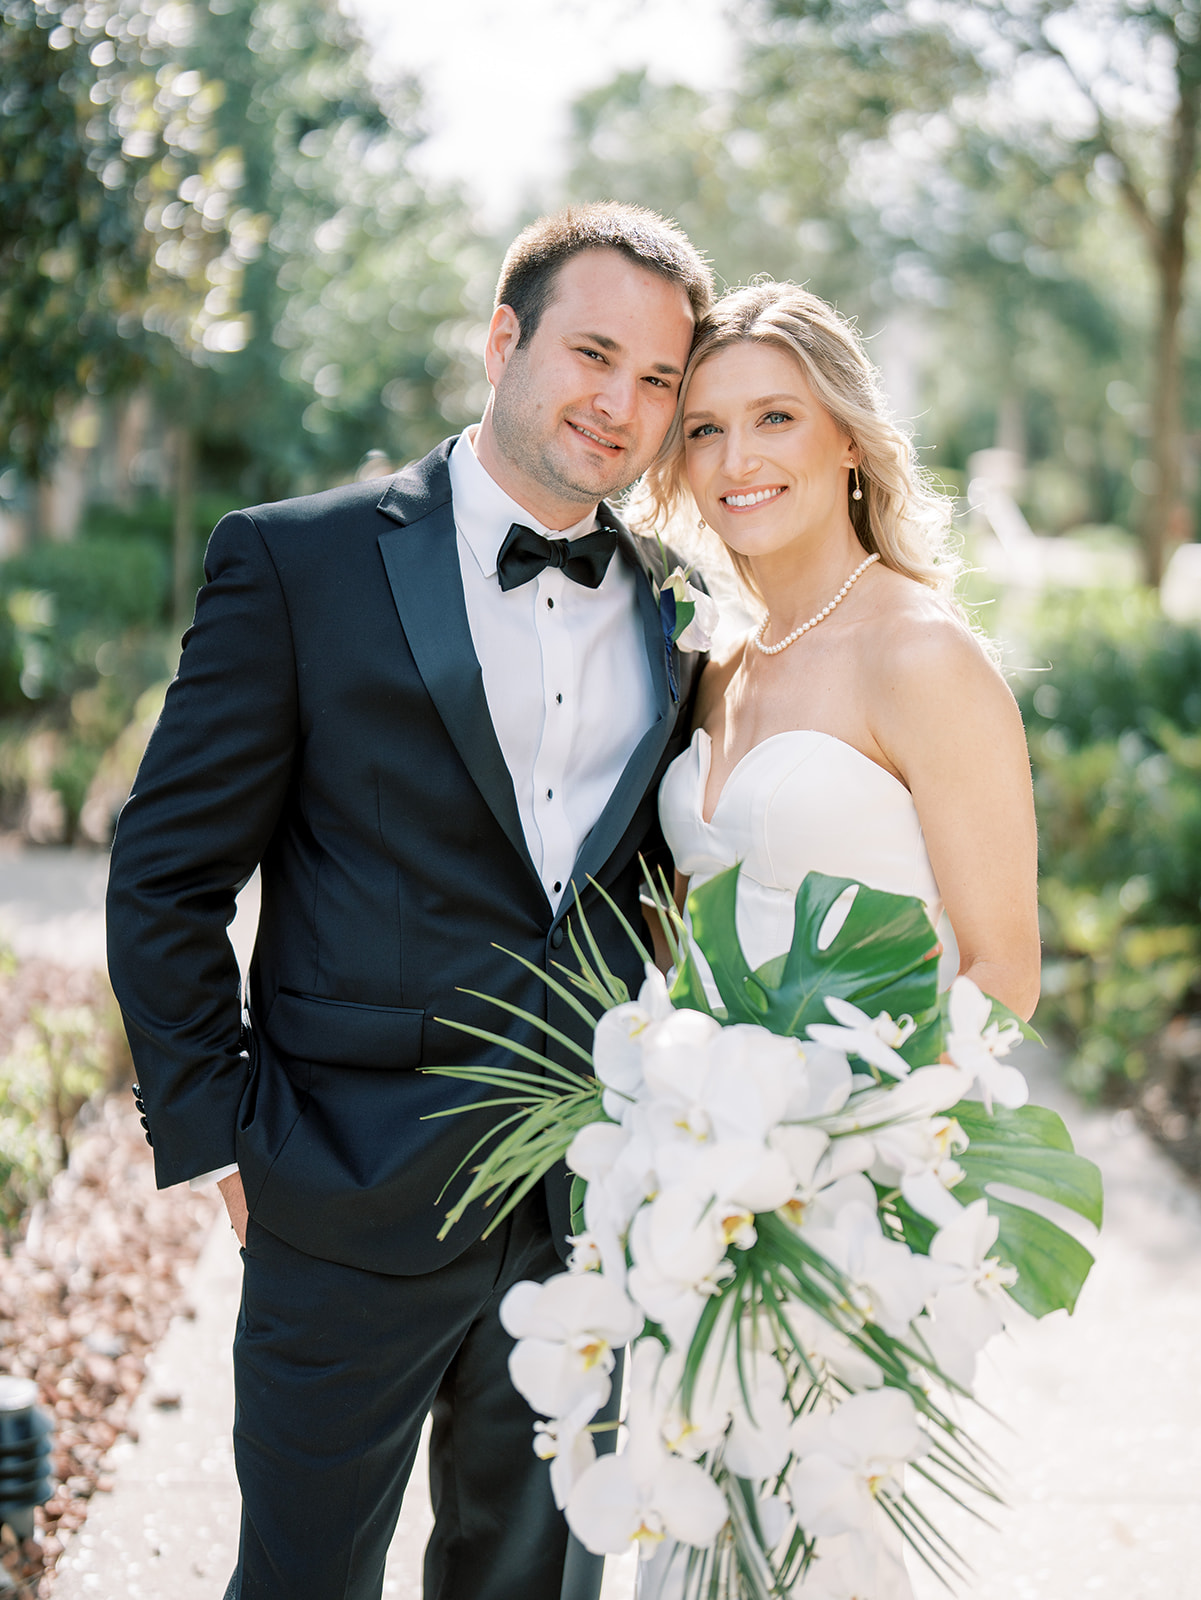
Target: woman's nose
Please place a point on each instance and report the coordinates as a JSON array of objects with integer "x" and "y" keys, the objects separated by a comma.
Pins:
[{"x": 741, "y": 456}]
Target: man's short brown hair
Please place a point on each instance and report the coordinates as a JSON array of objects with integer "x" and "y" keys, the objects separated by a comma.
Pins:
[{"x": 527, "y": 278}]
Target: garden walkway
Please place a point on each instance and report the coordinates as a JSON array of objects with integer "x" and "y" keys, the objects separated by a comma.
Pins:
[{"x": 1099, "y": 1416}]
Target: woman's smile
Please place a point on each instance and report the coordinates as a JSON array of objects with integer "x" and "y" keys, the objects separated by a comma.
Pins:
[{"x": 766, "y": 462}]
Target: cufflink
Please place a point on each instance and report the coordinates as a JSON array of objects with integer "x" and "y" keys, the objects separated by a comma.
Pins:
[{"x": 137, "y": 1100}]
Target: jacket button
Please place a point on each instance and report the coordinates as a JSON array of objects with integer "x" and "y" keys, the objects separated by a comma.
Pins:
[{"x": 556, "y": 939}]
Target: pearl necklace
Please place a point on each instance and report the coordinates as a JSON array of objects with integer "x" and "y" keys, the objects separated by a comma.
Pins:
[{"x": 818, "y": 616}]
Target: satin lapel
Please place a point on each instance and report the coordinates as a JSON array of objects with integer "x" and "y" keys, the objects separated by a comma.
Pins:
[
  {"x": 641, "y": 767},
  {"x": 422, "y": 562}
]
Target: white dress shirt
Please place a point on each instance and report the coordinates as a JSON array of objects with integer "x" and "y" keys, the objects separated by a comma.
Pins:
[{"x": 565, "y": 671}]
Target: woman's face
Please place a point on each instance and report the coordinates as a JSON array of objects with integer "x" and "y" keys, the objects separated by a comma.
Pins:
[{"x": 766, "y": 462}]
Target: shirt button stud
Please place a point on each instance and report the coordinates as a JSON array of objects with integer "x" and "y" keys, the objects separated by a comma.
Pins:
[
  {"x": 558, "y": 885},
  {"x": 550, "y": 794},
  {"x": 550, "y": 604}
]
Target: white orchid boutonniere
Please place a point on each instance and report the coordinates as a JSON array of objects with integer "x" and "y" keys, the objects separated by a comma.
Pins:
[{"x": 689, "y": 615}]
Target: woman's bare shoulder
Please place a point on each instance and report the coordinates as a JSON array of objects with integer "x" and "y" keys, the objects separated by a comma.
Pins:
[
  {"x": 929, "y": 670},
  {"x": 720, "y": 668},
  {"x": 918, "y": 631}
]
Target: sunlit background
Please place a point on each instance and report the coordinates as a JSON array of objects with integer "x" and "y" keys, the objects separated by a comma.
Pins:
[{"x": 248, "y": 248}]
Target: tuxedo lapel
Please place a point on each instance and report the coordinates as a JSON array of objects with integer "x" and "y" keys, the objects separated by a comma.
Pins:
[
  {"x": 640, "y": 769},
  {"x": 421, "y": 559}
]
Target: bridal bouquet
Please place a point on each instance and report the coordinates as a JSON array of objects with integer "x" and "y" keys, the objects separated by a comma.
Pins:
[{"x": 784, "y": 1205}]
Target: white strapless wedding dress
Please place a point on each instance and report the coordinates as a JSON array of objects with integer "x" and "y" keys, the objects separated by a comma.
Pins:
[{"x": 799, "y": 802}]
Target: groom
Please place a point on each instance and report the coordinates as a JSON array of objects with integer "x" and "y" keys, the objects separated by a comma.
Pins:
[{"x": 430, "y": 716}]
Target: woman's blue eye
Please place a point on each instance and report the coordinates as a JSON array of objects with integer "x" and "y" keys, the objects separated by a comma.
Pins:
[
  {"x": 702, "y": 430},
  {"x": 777, "y": 416}
]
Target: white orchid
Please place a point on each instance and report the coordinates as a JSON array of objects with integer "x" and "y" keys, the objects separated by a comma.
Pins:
[
  {"x": 849, "y": 1566},
  {"x": 695, "y": 1431},
  {"x": 743, "y": 1403},
  {"x": 919, "y": 1158},
  {"x": 678, "y": 1243},
  {"x": 974, "y": 1045},
  {"x": 830, "y": 1352},
  {"x": 567, "y": 1330},
  {"x": 822, "y": 1086},
  {"x": 617, "y": 1164},
  {"x": 874, "y": 1039},
  {"x": 585, "y": 1255},
  {"x": 971, "y": 1305},
  {"x": 741, "y": 1176},
  {"x": 568, "y": 1445},
  {"x": 926, "y": 1092},
  {"x": 760, "y": 1438},
  {"x": 620, "y": 1037},
  {"x": 889, "y": 1284},
  {"x": 697, "y": 634},
  {"x": 817, "y": 1163},
  {"x": 850, "y": 1456},
  {"x": 644, "y": 1494}
]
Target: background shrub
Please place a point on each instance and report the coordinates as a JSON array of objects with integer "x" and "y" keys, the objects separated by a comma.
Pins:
[{"x": 1114, "y": 722}]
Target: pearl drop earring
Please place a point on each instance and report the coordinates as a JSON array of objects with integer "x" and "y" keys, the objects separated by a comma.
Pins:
[{"x": 856, "y": 492}]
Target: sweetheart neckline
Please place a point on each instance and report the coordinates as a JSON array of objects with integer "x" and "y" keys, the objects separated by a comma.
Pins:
[{"x": 784, "y": 733}]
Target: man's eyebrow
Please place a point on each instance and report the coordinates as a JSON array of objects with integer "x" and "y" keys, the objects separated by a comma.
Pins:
[{"x": 606, "y": 343}]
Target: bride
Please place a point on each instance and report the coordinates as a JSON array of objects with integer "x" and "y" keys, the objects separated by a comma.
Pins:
[{"x": 860, "y": 730}]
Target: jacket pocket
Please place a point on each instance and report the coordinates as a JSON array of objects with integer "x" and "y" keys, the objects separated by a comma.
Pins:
[{"x": 342, "y": 1033}]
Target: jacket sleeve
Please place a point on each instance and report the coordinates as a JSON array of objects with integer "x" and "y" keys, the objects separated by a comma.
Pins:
[{"x": 203, "y": 808}]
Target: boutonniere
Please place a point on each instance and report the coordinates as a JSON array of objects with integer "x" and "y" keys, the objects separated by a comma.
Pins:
[
  {"x": 688, "y": 617},
  {"x": 688, "y": 614}
]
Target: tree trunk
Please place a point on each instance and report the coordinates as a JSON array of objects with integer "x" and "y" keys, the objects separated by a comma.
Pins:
[
  {"x": 184, "y": 527},
  {"x": 1171, "y": 259},
  {"x": 1160, "y": 504}
]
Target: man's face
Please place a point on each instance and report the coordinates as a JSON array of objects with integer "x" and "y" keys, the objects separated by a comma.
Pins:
[{"x": 580, "y": 410}]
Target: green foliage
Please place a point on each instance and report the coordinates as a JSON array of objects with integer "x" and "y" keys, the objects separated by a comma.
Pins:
[
  {"x": 72, "y": 250},
  {"x": 76, "y": 615},
  {"x": 884, "y": 957},
  {"x": 1030, "y": 1149},
  {"x": 217, "y": 201},
  {"x": 111, "y": 582},
  {"x": 82, "y": 638},
  {"x": 1115, "y": 739},
  {"x": 58, "y": 1062}
]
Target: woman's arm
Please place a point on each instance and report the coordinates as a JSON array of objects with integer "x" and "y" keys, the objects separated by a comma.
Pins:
[{"x": 948, "y": 722}]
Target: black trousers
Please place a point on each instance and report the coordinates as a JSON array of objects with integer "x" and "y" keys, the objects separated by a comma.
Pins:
[{"x": 335, "y": 1370}]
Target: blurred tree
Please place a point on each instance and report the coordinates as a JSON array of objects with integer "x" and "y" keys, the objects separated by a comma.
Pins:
[
  {"x": 1106, "y": 92},
  {"x": 681, "y": 152},
  {"x": 72, "y": 253},
  {"x": 304, "y": 299}
]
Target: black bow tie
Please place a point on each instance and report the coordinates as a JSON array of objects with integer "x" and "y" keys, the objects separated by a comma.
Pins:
[{"x": 525, "y": 554}]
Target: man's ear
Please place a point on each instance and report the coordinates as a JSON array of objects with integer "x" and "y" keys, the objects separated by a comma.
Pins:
[{"x": 503, "y": 333}]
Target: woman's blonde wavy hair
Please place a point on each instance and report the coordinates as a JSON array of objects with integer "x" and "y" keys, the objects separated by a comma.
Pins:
[{"x": 901, "y": 515}]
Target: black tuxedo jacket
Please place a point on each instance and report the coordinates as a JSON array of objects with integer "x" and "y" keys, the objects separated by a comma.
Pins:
[{"x": 328, "y": 722}]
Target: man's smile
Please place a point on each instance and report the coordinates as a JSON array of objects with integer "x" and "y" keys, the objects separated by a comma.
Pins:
[{"x": 606, "y": 444}]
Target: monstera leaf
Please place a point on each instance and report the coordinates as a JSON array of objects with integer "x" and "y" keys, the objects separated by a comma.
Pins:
[
  {"x": 883, "y": 958},
  {"x": 1031, "y": 1149}
]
